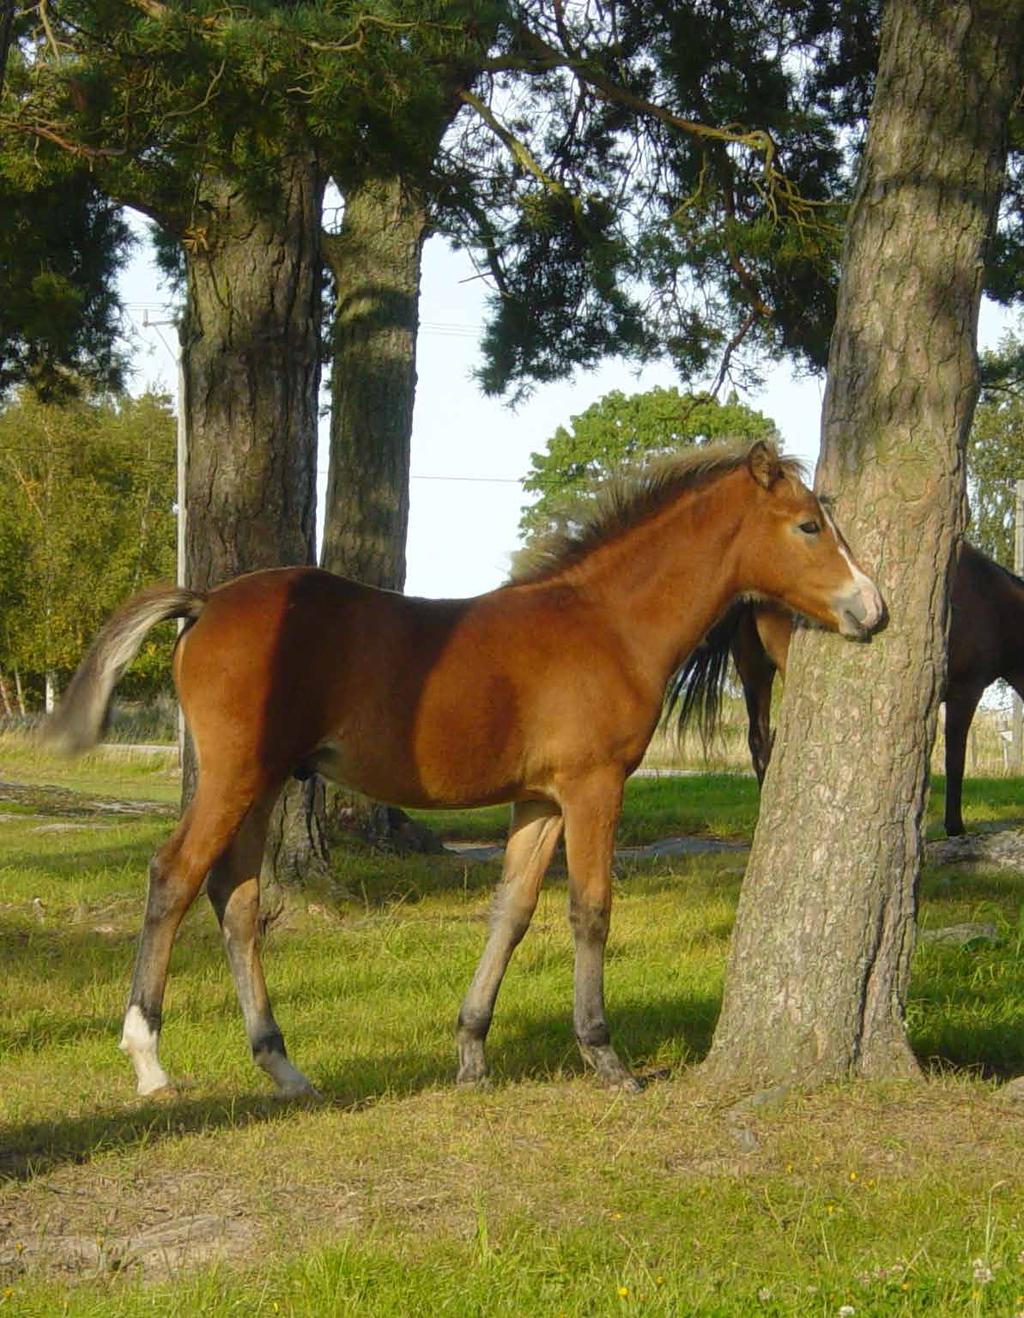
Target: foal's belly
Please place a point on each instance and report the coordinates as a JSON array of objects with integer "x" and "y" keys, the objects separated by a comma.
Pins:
[{"x": 401, "y": 782}]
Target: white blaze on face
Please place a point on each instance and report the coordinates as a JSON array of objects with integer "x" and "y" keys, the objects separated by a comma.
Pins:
[
  {"x": 140, "y": 1043},
  {"x": 863, "y": 586}
]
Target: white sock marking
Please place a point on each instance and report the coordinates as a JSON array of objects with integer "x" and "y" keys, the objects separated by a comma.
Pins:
[{"x": 140, "y": 1043}]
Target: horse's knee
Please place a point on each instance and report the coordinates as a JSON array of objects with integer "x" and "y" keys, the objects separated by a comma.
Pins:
[{"x": 589, "y": 921}]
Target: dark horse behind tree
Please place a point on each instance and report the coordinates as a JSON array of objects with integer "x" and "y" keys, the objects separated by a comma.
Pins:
[
  {"x": 543, "y": 693},
  {"x": 986, "y": 642}
]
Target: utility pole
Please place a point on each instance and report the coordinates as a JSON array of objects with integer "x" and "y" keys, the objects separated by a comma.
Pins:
[
  {"x": 1017, "y": 710},
  {"x": 182, "y": 464}
]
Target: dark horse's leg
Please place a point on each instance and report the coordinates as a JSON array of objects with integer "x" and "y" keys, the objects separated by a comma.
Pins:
[
  {"x": 591, "y": 813},
  {"x": 535, "y": 829},
  {"x": 961, "y": 702},
  {"x": 757, "y": 674},
  {"x": 176, "y": 874},
  {"x": 234, "y": 891}
]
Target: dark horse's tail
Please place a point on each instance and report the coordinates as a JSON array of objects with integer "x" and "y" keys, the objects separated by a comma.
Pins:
[
  {"x": 78, "y": 721},
  {"x": 694, "y": 694}
]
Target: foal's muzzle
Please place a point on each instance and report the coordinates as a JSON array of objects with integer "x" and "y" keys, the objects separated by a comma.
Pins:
[{"x": 860, "y": 610}]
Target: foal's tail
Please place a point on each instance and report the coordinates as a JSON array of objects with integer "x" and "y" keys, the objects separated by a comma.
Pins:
[
  {"x": 695, "y": 690},
  {"x": 78, "y": 721}
]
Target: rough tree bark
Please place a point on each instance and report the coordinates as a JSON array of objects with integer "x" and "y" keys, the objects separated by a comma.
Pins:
[
  {"x": 820, "y": 956},
  {"x": 375, "y": 259},
  {"x": 250, "y": 351}
]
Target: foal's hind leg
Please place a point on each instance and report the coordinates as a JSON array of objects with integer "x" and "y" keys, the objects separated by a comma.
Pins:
[
  {"x": 234, "y": 891},
  {"x": 535, "y": 829},
  {"x": 176, "y": 874},
  {"x": 591, "y": 813}
]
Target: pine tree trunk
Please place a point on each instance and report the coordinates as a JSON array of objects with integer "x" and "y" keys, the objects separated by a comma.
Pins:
[
  {"x": 820, "y": 957},
  {"x": 250, "y": 345},
  {"x": 375, "y": 259}
]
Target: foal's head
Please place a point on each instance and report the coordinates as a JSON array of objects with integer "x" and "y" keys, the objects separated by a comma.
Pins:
[{"x": 795, "y": 553}]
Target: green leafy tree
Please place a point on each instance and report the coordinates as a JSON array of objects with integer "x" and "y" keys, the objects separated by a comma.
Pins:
[
  {"x": 620, "y": 429},
  {"x": 995, "y": 454},
  {"x": 61, "y": 245},
  {"x": 87, "y": 518}
]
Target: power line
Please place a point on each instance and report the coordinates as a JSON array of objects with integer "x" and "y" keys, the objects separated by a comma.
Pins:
[{"x": 472, "y": 480}]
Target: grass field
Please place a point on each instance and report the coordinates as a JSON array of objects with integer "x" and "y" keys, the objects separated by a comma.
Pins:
[{"x": 399, "y": 1194}]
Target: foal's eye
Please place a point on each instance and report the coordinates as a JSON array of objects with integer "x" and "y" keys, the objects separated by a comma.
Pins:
[{"x": 810, "y": 528}]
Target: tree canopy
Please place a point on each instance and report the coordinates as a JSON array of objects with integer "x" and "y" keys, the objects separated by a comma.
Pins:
[
  {"x": 620, "y": 429},
  {"x": 86, "y": 519},
  {"x": 653, "y": 178},
  {"x": 995, "y": 456},
  {"x": 61, "y": 245}
]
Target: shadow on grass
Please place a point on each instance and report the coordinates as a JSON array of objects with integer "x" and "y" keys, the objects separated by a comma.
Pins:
[
  {"x": 539, "y": 1047},
  {"x": 35, "y": 1148},
  {"x": 995, "y": 1053},
  {"x": 69, "y": 864},
  {"x": 81, "y": 803},
  {"x": 527, "y": 1047},
  {"x": 376, "y": 881}
]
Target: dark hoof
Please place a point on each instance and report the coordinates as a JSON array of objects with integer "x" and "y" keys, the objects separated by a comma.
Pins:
[
  {"x": 472, "y": 1080},
  {"x": 472, "y": 1071},
  {"x": 610, "y": 1071}
]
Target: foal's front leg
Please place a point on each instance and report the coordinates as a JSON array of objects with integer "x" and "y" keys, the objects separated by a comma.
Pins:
[
  {"x": 591, "y": 813},
  {"x": 535, "y": 829}
]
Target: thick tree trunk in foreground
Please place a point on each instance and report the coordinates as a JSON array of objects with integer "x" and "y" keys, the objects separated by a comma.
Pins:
[
  {"x": 375, "y": 259},
  {"x": 820, "y": 956},
  {"x": 250, "y": 349}
]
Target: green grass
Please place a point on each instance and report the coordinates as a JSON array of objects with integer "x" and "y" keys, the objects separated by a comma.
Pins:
[
  {"x": 544, "y": 1195},
  {"x": 709, "y": 805},
  {"x": 107, "y": 771}
]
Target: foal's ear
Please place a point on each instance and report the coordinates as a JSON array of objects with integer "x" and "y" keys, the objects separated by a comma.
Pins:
[{"x": 764, "y": 464}]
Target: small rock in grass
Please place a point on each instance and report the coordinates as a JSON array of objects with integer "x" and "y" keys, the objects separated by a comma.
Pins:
[{"x": 963, "y": 935}]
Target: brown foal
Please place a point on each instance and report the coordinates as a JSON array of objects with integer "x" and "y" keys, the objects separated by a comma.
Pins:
[{"x": 543, "y": 693}]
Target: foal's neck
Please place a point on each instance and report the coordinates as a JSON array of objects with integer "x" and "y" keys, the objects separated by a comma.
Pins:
[{"x": 667, "y": 579}]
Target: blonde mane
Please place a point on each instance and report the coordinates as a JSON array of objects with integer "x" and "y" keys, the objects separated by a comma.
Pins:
[{"x": 627, "y": 498}]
